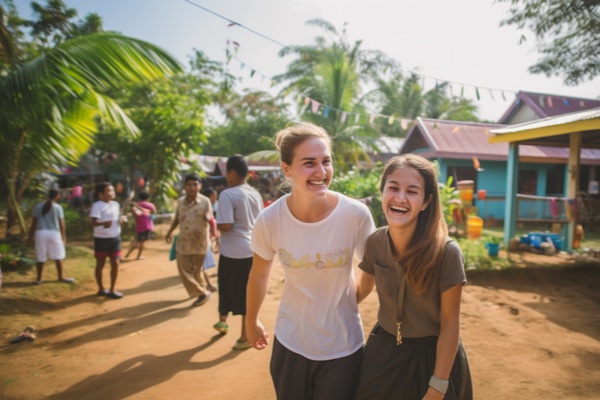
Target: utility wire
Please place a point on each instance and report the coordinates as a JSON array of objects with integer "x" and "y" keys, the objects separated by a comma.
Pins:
[{"x": 232, "y": 22}]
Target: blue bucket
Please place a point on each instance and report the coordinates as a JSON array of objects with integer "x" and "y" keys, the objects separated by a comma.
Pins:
[{"x": 492, "y": 249}]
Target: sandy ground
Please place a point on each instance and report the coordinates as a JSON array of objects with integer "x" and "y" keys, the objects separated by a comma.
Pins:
[{"x": 529, "y": 333}]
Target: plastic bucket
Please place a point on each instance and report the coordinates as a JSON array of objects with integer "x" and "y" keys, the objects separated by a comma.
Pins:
[
  {"x": 474, "y": 227},
  {"x": 493, "y": 249}
]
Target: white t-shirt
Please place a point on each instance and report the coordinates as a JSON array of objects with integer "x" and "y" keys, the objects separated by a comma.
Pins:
[
  {"x": 106, "y": 211},
  {"x": 318, "y": 316},
  {"x": 240, "y": 206}
]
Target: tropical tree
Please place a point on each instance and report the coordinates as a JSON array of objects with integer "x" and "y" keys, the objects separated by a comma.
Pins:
[
  {"x": 171, "y": 116},
  {"x": 333, "y": 74},
  {"x": 49, "y": 105},
  {"x": 404, "y": 97},
  {"x": 252, "y": 119},
  {"x": 567, "y": 34}
]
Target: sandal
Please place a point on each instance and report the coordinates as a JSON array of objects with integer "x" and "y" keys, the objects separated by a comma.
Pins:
[
  {"x": 222, "y": 327},
  {"x": 67, "y": 280},
  {"x": 239, "y": 345},
  {"x": 114, "y": 295}
]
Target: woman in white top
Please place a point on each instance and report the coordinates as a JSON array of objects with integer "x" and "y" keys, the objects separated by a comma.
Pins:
[
  {"x": 48, "y": 228},
  {"x": 318, "y": 341}
]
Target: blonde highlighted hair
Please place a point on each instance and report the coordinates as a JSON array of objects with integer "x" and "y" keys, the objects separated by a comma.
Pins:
[{"x": 286, "y": 140}]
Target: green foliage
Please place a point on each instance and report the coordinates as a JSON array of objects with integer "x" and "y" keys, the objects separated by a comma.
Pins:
[
  {"x": 50, "y": 98},
  {"x": 252, "y": 121},
  {"x": 567, "y": 34},
  {"x": 14, "y": 256},
  {"x": 493, "y": 239},
  {"x": 476, "y": 256},
  {"x": 77, "y": 224},
  {"x": 361, "y": 184},
  {"x": 448, "y": 198}
]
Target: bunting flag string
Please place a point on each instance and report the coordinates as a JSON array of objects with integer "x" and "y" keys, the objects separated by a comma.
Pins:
[{"x": 326, "y": 110}]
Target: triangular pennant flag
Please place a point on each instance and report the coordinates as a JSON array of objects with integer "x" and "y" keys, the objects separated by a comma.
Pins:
[
  {"x": 343, "y": 117},
  {"x": 541, "y": 101},
  {"x": 371, "y": 119},
  {"x": 450, "y": 88},
  {"x": 391, "y": 120},
  {"x": 304, "y": 107},
  {"x": 456, "y": 129},
  {"x": 566, "y": 102},
  {"x": 492, "y": 94},
  {"x": 356, "y": 118},
  {"x": 315, "y": 106},
  {"x": 272, "y": 84},
  {"x": 503, "y": 96},
  {"x": 462, "y": 91},
  {"x": 550, "y": 101},
  {"x": 326, "y": 112},
  {"x": 306, "y": 101},
  {"x": 477, "y": 93},
  {"x": 242, "y": 65},
  {"x": 404, "y": 123},
  {"x": 252, "y": 73}
]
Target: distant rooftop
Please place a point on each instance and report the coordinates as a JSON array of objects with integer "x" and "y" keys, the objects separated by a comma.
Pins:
[{"x": 541, "y": 105}]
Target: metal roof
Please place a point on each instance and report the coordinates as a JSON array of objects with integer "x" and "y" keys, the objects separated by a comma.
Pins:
[{"x": 434, "y": 138}]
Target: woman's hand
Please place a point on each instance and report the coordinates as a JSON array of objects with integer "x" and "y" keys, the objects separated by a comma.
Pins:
[{"x": 257, "y": 335}]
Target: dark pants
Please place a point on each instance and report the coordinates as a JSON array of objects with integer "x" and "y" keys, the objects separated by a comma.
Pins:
[{"x": 297, "y": 378}]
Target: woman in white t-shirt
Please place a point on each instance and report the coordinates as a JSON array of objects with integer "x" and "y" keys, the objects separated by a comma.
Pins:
[
  {"x": 48, "y": 229},
  {"x": 316, "y": 232}
]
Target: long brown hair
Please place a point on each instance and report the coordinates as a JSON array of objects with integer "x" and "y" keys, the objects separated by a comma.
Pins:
[
  {"x": 426, "y": 246},
  {"x": 52, "y": 195}
]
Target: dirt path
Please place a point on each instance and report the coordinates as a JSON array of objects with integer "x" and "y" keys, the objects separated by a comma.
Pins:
[{"x": 529, "y": 333}]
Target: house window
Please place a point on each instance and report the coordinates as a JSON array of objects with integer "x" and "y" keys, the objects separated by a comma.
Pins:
[
  {"x": 555, "y": 181},
  {"x": 527, "y": 182},
  {"x": 462, "y": 174}
]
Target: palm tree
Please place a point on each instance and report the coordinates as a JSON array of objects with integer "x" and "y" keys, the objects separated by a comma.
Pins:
[
  {"x": 333, "y": 74},
  {"x": 49, "y": 106}
]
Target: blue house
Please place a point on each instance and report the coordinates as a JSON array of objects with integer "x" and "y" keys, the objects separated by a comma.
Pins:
[{"x": 463, "y": 151}]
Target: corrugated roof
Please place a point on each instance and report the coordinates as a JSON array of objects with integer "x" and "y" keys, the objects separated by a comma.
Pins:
[
  {"x": 435, "y": 138},
  {"x": 548, "y": 105}
]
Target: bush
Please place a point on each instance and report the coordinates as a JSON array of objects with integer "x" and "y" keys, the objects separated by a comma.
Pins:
[
  {"x": 77, "y": 224},
  {"x": 476, "y": 256}
]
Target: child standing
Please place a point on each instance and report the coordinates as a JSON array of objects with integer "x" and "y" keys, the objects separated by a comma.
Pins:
[
  {"x": 414, "y": 351},
  {"x": 48, "y": 228},
  {"x": 143, "y": 211},
  {"x": 106, "y": 220}
]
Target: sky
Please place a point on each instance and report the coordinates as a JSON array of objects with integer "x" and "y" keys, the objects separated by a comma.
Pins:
[{"x": 458, "y": 41}]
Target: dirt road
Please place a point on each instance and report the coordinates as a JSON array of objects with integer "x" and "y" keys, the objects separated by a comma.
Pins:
[{"x": 529, "y": 333}]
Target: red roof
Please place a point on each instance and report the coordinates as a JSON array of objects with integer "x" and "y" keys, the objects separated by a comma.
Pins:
[
  {"x": 547, "y": 105},
  {"x": 434, "y": 138}
]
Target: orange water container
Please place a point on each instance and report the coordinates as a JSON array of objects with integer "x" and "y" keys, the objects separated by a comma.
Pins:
[
  {"x": 466, "y": 195},
  {"x": 474, "y": 227}
]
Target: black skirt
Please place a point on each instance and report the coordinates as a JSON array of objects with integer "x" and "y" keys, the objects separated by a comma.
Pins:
[
  {"x": 402, "y": 372},
  {"x": 233, "y": 277}
]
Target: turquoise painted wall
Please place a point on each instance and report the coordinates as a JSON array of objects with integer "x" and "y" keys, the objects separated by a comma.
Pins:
[{"x": 493, "y": 180}]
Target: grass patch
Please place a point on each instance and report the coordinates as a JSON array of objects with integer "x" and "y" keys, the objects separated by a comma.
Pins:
[{"x": 22, "y": 303}]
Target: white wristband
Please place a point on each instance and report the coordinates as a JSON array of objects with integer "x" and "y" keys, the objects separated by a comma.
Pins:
[{"x": 438, "y": 384}]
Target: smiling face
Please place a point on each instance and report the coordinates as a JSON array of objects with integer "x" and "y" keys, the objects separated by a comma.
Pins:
[
  {"x": 311, "y": 169},
  {"x": 403, "y": 197}
]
